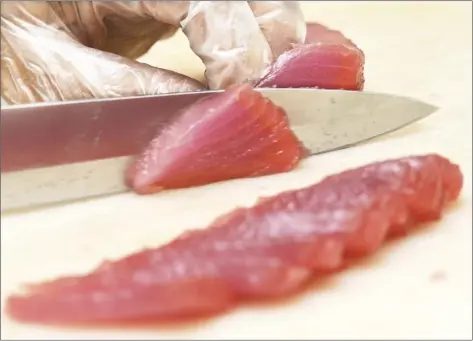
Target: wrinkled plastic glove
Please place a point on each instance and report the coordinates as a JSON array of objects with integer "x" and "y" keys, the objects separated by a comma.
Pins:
[{"x": 65, "y": 50}]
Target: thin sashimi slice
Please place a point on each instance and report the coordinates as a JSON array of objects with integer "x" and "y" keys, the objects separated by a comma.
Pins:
[
  {"x": 327, "y": 60},
  {"x": 266, "y": 250},
  {"x": 234, "y": 134},
  {"x": 129, "y": 299},
  {"x": 128, "y": 290}
]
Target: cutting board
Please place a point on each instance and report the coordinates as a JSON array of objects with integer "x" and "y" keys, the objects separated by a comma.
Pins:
[{"x": 418, "y": 287}]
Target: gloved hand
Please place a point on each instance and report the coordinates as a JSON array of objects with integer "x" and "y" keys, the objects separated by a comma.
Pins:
[{"x": 64, "y": 50}]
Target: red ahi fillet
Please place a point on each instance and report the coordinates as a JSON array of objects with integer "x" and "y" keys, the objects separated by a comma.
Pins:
[
  {"x": 234, "y": 134},
  {"x": 268, "y": 250},
  {"x": 328, "y": 60}
]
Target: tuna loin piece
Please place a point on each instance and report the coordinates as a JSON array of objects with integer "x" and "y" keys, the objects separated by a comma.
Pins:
[
  {"x": 225, "y": 136},
  {"x": 328, "y": 60},
  {"x": 269, "y": 249}
]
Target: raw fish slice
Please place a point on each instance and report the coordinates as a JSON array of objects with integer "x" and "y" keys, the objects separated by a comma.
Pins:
[
  {"x": 347, "y": 208},
  {"x": 250, "y": 276},
  {"x": 252, "y": 242},
  {"x": 196, "y": 263},
  {"x": 328, "y": 60},
  {"x": 247, "y": 271},
  {"x": 424, "y": 192},
  {"x": 252, "y": 252},
  {"x": 320, "y": 33},
  {"x": 269, "y": 231},
  {"x": 162, "y": 283},
  {"x": 412, "y": 195},
  {"x": 229, "y": 135},
  {"x": 270, "y": 237},
  {"x": 115, "y": 291}
]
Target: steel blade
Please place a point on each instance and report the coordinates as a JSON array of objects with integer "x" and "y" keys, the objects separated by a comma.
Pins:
[
  {"x": 74, "y": 150},
  {"x": 326, "y": 120}
]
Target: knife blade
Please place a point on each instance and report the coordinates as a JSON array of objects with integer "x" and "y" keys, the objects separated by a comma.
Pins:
[{"x": 54, "y": 152}]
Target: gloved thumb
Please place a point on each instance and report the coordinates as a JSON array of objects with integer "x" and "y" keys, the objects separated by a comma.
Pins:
[{"x": 40, "y": 63}]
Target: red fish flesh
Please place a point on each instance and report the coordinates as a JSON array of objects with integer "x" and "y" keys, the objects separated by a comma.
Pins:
[
  {"x": 328, "y": 60},
  {"x": 267, "y": 250},
  {"x": 234, "y": 134}
]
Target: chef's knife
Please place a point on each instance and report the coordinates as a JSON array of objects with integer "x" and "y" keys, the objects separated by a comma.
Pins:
[{"x": 53, "y": 152}]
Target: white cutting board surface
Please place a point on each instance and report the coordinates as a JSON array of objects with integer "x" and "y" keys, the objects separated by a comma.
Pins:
[{"x": 419, "y": 287}]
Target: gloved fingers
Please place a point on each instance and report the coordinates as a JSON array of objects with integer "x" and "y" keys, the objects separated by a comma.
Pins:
[
  {"x": 41, "y": 42},
  {"x": 236, "y": 40},
  {"x": 43, "y": 64},
  {"x": 227, "y": 38},
  {"x": 282, "y": 23},
  {"x": 223, "y": 34},
  {"x": 121, "y": 27}
]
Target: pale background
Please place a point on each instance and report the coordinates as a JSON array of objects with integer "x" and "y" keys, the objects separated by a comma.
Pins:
[{"x": 419, "y": 287}]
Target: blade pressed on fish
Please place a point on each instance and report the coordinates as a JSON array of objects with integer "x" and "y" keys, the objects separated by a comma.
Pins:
[
  {"x": 74, "y": 150},
  {"x": 326, "y": 120},
  {"x": 43, "y": 135}
]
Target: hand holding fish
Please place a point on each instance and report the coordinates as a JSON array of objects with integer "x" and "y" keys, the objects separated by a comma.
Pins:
[{"x": 66, "y": 50}]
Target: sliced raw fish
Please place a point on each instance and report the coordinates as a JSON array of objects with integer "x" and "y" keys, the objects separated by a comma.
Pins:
[
  {"x": 268, "y": 250},
  {"x": 327, "y": 60},
  {"x": 229, "y": 135}
]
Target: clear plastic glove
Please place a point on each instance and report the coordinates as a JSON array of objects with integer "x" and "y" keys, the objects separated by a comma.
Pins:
[{"x": 64, "y": 50}]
